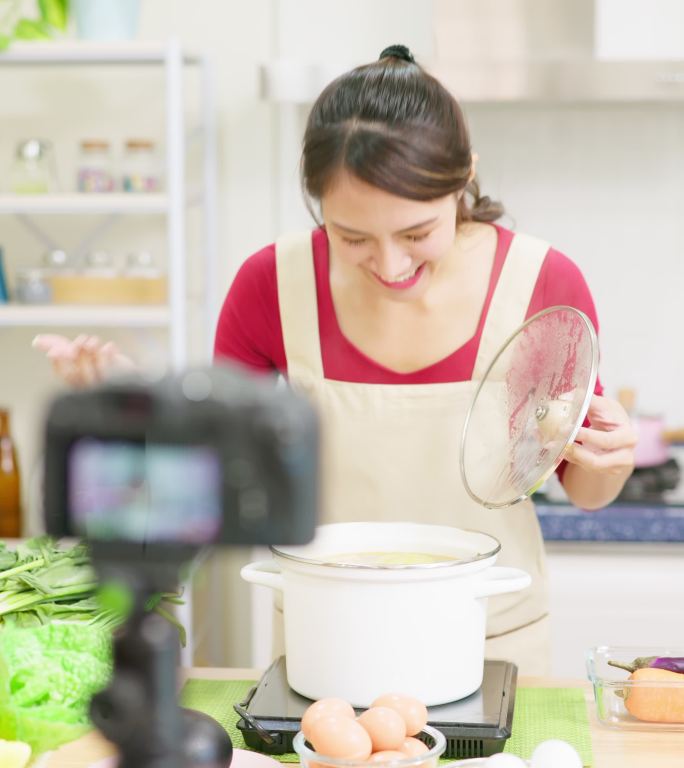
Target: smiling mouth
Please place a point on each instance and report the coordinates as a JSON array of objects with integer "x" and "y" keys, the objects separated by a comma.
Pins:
[{"x": 407, "y": 278}]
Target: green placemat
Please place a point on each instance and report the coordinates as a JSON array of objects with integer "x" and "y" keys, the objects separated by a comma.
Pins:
[
  {"x": 540, "y": 713},
  {"x": 550, "y": 713}
]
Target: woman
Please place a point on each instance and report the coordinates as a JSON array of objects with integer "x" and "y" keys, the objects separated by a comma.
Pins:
[{"x": 389, "y": 312}]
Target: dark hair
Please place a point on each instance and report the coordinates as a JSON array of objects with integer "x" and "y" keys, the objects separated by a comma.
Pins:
[{"x": 394, "y": 126}]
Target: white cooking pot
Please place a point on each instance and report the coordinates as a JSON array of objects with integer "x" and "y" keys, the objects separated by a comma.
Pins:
[{"x": 357, "y": 631}]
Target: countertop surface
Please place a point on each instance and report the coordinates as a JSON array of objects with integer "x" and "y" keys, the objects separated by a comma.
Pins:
[
  {"x": 617, "y": 522},
  {"x": 612, "y": 748}
]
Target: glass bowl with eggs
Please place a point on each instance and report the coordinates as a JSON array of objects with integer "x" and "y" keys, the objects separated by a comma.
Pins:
[
  {"x": 393, "y": 731},
  {"x": 430, "y": 738}
]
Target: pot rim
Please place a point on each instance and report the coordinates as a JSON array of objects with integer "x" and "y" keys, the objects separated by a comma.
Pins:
[{"x": 407, "y": 567}]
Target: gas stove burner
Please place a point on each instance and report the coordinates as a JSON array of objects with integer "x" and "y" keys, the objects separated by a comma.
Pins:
[{"x": 477, "y": 726}]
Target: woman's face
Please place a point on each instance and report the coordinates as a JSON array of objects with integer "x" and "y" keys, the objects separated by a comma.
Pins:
[{"x": 395, "y": 243}]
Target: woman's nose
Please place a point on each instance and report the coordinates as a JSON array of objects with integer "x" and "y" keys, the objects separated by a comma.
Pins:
[{"x": 390, "y": 261}]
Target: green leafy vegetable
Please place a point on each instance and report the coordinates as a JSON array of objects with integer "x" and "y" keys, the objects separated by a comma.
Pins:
[
  {"x": 48, "y": 675},
  {"x": 55, "y": 639},
  {"x": 53, "y": 16},
  {"x": 41, "y": 582}
]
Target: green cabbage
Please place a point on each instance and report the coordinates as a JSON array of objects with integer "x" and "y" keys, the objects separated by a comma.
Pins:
[{"x": 48, "y": 675}]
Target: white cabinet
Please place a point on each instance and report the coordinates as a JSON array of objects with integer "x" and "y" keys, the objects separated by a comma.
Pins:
[{"x": 613, "y": 594}]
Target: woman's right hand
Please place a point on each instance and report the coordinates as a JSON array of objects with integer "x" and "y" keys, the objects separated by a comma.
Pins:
[{"x": 84, "y": 361}]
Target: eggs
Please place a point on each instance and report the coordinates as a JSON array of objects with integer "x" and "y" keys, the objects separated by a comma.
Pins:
[
  {"x": 413, "y": 747},
  {"x": 413, "y": 712},
  {"x": 325, "y": 708},
  {"x": 385, "y": 726},
  {"x": 341, "y": 737},
  {"x": 386, "y": 756},
  {"x": 384, "y": 733},
  {"x": 555, "y": 753}
]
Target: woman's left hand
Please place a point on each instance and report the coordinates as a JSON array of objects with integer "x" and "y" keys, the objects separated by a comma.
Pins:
[{"x": 607, "y": 445}]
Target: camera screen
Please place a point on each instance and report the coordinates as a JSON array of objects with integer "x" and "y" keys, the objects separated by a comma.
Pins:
[{"x": 124, "y": 491}]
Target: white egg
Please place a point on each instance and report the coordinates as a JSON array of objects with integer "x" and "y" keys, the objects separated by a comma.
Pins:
[
  {"x": 555, "y": 753},
  {"x": 504, "y": 760}
]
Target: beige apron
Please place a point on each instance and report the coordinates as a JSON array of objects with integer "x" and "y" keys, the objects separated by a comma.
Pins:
[{"x": 391, "y": 452}]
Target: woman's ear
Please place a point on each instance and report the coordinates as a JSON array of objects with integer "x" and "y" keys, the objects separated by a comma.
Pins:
[{"x": 473, "y": 166}]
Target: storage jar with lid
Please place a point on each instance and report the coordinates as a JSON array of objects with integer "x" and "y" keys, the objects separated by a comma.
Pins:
[
  {"x": 141, "y": 168},
  {"x": 95, "y": 167}
]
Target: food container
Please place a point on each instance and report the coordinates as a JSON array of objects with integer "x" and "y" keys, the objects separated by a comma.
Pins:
[
  {"x": 352, "y": 630},
  {"x": 432, "y": 738},
  {"x": 611, "y": 685}
]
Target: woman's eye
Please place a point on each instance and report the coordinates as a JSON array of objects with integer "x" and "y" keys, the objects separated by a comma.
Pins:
[
  {"x": 359, "y": 241},
  {"x": 417, "y": 238}
]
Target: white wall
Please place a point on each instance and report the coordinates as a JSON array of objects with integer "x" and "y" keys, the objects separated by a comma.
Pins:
[{"x": 604, "y": 184}]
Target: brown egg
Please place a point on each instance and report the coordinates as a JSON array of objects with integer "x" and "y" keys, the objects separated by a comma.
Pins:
[
  {"x": 340, "y": 736},
  {"x": 386, "y": 756},
  {"x": 385, "y": 726},
  {"x": 413, "y": 747},
  {"x": 325, "y": 708},
  {"x": 413, "y": 711}
]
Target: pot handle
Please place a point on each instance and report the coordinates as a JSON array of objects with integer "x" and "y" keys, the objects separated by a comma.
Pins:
[
  {"x": 264, "y": 572},
  {"x": 498, "y": 581}
]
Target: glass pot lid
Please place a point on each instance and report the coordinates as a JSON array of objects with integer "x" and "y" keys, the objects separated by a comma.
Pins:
[
  {"x": 392, "y": 546},
  {"x": 529, "y": 406}
]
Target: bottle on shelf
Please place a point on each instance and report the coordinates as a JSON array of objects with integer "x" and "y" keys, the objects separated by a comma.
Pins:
[
  {"x": 4, "y": 291},
  {"x": 10, "y": 481}
]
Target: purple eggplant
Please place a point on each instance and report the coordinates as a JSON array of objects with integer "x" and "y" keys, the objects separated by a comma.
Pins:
[{"x": 671, "y": 663}]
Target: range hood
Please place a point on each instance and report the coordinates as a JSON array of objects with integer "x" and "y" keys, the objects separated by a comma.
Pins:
[
  {"x": 570, "y": 80},
  {"x": 563, "y": 51}
]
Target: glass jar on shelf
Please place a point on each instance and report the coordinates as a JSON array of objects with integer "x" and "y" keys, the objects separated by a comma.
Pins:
[
  {"x": 95, "y": 167},
  {"x": 141, "y": 264},
  {"x": 33, "y": 171},
  {"x": 140, "y": 167},
  {"x": 32, "y": 286},
  {"x": 100, "y": 264}
]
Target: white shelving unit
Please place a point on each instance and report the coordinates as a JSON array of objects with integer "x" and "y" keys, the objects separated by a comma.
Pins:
[{"x": 171, "y": 206}]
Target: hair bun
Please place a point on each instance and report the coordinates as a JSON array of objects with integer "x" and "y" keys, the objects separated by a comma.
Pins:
[{"x": 397, "y": 52}]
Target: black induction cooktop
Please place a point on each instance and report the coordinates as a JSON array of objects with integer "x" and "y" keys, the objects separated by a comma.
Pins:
[{"x": 476, "y": 726}]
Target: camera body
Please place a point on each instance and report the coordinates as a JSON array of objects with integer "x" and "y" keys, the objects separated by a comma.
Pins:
[
  {"x": 210, "y": 456},
  {"x": 150, "y": 473}
]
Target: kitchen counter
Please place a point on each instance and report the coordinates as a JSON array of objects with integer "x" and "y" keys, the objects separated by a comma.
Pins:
[
  {"x": 617, "y": 522},
  {"x": 612, "y": 748}
]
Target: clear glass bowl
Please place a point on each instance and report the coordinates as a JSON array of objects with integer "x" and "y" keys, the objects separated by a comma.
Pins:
[
  {"x": 477, "y": 762},
  {"x": 433, "y": 739},
  {"x": 612, "y": 685}
]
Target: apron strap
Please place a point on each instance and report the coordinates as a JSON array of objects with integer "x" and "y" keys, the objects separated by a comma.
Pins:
[
  {"x": 298, "y": 302},
  {"x": 511, "y": 297}
]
